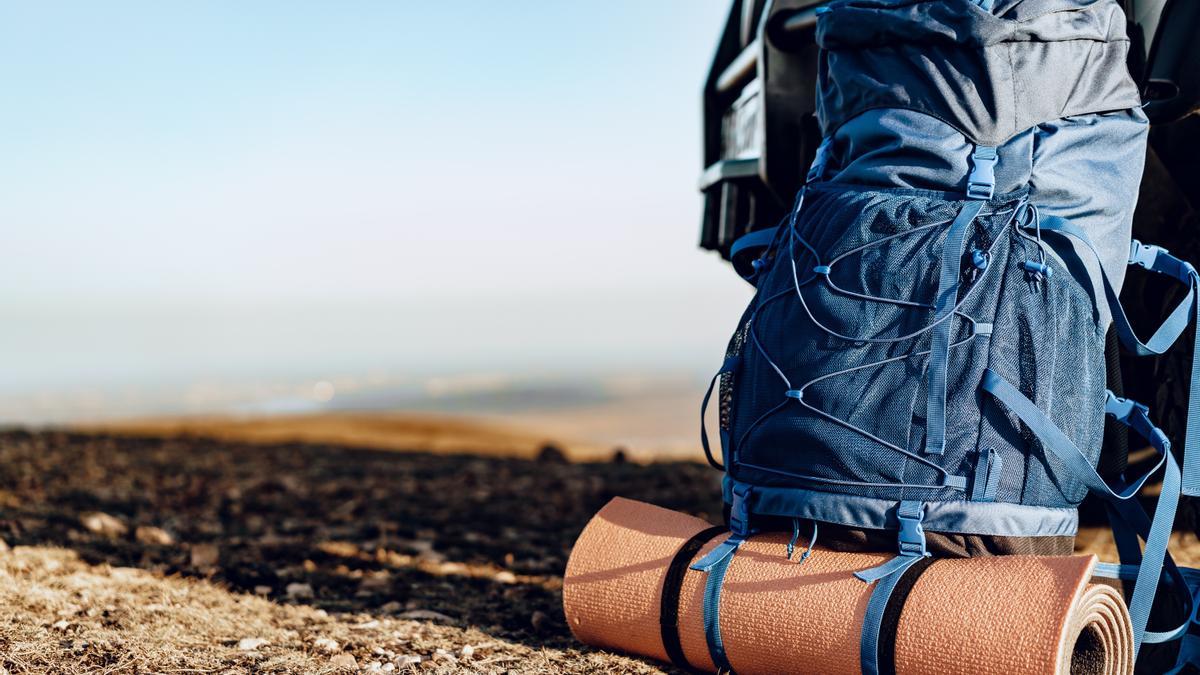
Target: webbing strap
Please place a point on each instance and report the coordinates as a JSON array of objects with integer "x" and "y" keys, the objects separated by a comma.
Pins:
[
  {"x": 1131, "y": 518},
  {"x": 755, "y": 239},
  {"x": 944, "y": 303},
  {"x": 911, "y": 542},
  {"x": 1154, "y": 259},
  {"x": 1191, "y": 439},
  {"x": 1185, "y": 578},
  {"x": 668, "y": 612},
  {"x": 816, "y": 171},
  {"x": 876, "y": 605},
  {"x": 726, "y": 367},
  {"x": 1057, "y": 443},
  {"x": 988, "y": 467},
  {"x": 752, "y": 242},
  {"x": 1157, "y": 260},
  {"x": 716, "y": 564}
]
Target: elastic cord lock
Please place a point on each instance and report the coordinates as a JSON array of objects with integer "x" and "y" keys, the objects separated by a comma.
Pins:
[{"x": 1037, "y": 271}]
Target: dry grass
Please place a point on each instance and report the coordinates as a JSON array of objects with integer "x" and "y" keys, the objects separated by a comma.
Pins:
[{"x": 59, "y": 614}]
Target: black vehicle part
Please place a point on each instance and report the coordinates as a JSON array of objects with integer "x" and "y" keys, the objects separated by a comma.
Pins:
[
  {"x": 1170, "y": 72},
  {"x": 760, "y": 132}
]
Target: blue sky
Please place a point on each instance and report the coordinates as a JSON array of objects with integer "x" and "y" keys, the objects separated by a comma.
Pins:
[{"x": 258, "y": 156}]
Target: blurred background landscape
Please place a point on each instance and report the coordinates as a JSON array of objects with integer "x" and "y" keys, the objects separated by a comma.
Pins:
[{"x": 480, "y": 210}]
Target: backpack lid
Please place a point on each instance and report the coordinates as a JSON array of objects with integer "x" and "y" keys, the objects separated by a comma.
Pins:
[{"x": 991, "y": 77}]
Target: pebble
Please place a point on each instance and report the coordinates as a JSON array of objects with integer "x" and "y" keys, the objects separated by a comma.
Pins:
[
  {"x": 327, "y": 645},
  {"x": 377, "y": 582},
  {"x": 205, "y": 555},
  {"x": 467, "y": 651},
  {"x": 250, "y": 644},
  {"x": 424, "y": 615},
  {"x": 62, "y": 625},
  {"x": 341, "y": 549},
  {"x": 298, "y": 591},
  {"x": 153, "y": 535},
  {"x": 98, "y": 522},
  {"x": 344, "y": 661},
  {"x": 406, "y": 661}
]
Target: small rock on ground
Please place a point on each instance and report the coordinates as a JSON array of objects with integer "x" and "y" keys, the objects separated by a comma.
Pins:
[
  {"x": 205, "y": 555},
  {"x": 424, "y": 615},
  {"x": 103, "y": 524},
  {"x": 250, "y": 644},
  {"x": 327, "y": 645},
  {"x": 153, "y": 535}
]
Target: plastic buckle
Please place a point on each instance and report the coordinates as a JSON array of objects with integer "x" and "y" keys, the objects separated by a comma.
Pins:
[
  {"x": 1158, "y": 259},
  {"x": 1123, "y": 408},
  {"x": 912, "y": 535},
  {"x": 1144, "y": 255},
  {"x": 981, "y": 183},
  {"x": 739, "y": 510}
]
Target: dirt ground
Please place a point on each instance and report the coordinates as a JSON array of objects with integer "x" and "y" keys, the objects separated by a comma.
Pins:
[
  {"x": 142, "y": 554},
  {"x": 190, "y": 555}
]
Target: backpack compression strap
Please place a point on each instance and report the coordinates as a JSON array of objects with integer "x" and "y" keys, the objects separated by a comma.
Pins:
[
  {"x": 715, "y": 564},
  {"x": 887, "y": 577},
  {"x": 1157, "y": 260},
  {"x": 981, "y": 185},
  {"x": 668, "y": 612}
]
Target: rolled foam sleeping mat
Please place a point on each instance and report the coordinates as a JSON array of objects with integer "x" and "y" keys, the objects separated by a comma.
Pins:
[{"x": 976, "y": 616}]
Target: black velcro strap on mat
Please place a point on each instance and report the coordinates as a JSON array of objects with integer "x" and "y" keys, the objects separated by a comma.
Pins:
[
  {"x": 668, "y": 613},
  {"x": 891, "y": 616}
]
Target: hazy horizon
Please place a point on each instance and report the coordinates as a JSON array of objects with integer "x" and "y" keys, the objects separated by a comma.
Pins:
[{"x": 219, "y": 195}]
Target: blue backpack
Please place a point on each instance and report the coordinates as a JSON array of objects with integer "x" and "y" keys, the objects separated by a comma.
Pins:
[{"x": 923, "y": 364}]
